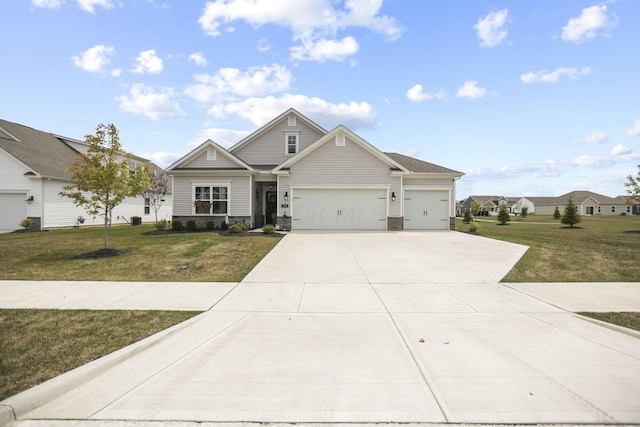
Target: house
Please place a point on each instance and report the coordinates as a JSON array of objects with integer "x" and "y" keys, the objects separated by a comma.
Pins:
[
  {"x": 33, "y": 171},
  {"x": 587, "y": 202},
  {"x": 293, "y": 173},
  {"x": 489, "y": 204}
]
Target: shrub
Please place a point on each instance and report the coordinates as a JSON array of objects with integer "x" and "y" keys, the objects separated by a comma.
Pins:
[
  {"x": 556, "y": 213},
  {"x": 27, "y": 223},
  {"x": 473, "y": 228},
  {"x": 503, "y": 215},
  {"x": 467, "y": 216},
  {"x": 268, "y": 229},
  {"x": 163, "y": 224},
  {"x": 524, "y": 211},
  {"x": 210, "y": 225},
  {"x": 236, "y": 228},
  {"x": 224, "y": 226},
  {"x": 176, "y": 225},
  {"x": 191, "y": 225},
  {"x": 242, "y": 226}
]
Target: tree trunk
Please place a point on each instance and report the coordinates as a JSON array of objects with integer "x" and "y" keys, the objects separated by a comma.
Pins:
[{"x": 106, "y": 221}]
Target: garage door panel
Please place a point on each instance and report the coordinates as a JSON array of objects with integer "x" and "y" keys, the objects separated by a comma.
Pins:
[
  {"x": 13, "y": 209},
  {"x": 426, "y": 210},
  {"x": 339, "y": 209}
]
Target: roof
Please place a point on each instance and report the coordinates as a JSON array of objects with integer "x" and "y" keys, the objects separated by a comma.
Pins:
[
  {"x": 179, "y": 164},
  {"x": 420, "y": 166},
  {"x": 41, "y": 152}
]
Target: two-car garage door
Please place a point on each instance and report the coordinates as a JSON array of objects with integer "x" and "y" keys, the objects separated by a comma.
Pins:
[{"x": 339, "y": 209}]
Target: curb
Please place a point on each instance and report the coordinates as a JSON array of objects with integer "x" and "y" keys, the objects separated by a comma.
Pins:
[{"x": 7, "y": 416}]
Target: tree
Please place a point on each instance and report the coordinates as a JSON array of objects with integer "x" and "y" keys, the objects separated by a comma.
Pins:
[
  {"x": 102, "y": 178},
  {"x": 570, "y": 216},
  {"x": 467, "y": 216},
  {"x": 476, "y": 208},
  {"x": 524, "y": 211},
  {"x": 503, "y": 215},
  {"x": 158, "y": 187},
  {"x": 633, "y": 189},
  {"x": 556, "y": 213}
]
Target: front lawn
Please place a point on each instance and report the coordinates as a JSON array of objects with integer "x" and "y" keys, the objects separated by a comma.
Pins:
[{"x": 598, "y": 249}]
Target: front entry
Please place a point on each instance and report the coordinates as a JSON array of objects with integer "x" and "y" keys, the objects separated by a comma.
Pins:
[{"x": 271, "y": 207}]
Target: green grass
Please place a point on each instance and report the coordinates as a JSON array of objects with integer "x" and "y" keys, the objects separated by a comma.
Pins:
[
  {"x": 40, "y": 344},
  {"x": 599, "y": 249},
  {"x": 183, "y": 257},
  {"x": 626, "y": 319}
]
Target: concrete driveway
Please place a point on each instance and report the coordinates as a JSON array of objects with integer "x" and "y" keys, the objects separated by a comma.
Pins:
[{"x": 320, "y": 333}]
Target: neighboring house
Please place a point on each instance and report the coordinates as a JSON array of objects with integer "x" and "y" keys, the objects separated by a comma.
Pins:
[
  {"x": 293, "y": 173},
  {"x": 587, "y": 202},
  {"x": 33, "y": 170},
  {"x": 489, "y": 204},
  {"x": 630, "y": 209}
]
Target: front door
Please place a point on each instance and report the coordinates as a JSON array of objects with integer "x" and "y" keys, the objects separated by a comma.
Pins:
[{"x": 271, "y": 207}]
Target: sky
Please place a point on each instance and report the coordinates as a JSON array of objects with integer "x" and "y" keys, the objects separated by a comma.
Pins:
[{"x": 527, "y": 98}]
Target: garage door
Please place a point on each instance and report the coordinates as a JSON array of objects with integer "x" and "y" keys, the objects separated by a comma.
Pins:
[
  {"x": 339, "y": 209},
  {"x": 426, "y": 210},
  {"x": 13, "y": 209}
]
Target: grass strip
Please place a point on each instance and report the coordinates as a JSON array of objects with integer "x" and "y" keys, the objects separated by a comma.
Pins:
[{"x": 626, "y": 319}]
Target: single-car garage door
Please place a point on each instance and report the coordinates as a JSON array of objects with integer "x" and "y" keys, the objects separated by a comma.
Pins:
[
  {"x": 339, "y": 209},
  {"x": 426, "y": 210},
  {"x": 13, "y": 209}
]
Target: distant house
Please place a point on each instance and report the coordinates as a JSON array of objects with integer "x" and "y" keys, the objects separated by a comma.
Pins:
[
  {"x": 489, "y": 204},
  {"x": 33, "y": 170},
  {"x": 587, "y": 202},
  {"x": 293, "y": 173}
]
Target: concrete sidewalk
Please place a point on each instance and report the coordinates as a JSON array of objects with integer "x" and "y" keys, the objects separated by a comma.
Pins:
[{"x": 361, "y": 350}]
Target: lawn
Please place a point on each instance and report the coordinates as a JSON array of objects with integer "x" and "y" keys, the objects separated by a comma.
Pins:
[
  {"x": 183, "y": 257},
  {"x": 598, "y": 249}
]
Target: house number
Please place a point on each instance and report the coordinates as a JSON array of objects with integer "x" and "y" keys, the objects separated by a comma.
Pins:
[{"x": 284, "y": 205}]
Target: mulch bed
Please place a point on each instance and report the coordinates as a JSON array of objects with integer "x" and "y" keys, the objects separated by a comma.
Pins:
[
  {"x": 218, "y": 232},
  {"x": 101, "y": 253}
]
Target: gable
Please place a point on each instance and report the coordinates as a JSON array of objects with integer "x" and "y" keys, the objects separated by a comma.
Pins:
[{"x": 209, "y": 156}]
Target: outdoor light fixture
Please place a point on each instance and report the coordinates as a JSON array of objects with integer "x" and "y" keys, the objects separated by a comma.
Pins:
[
  {"x": 286, "y": 196},
  {"x": 29, "y": 199},
  {"x": 393, "y": 196}
]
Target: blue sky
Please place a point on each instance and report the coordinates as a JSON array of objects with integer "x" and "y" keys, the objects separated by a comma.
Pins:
[{"x": 528, "y": 98}]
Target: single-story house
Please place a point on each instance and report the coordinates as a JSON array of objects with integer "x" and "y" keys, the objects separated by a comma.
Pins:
[
  {"x": 293, "y": 173},
  {"x": 490, "y": 204},
  {"x": 587, "y": 202},
  {"x": 33, "y": 170}
]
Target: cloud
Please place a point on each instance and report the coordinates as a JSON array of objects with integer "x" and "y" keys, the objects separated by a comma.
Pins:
[
  {"x": 314, "y": 24},
  {"x": 161, "y": 158},
  {"x": 153, "y": 104},
  {"x": 231, "y": 83},
  {"x": 595, "y": 138},
  {"x": 264, "y": 45},
  {"x": 223, "y": 137},
  {"x": 416, "y": 94},
  {"x": 491, "y": 30},
  {"x": 49, "y": 4},
  {"x": 635, "y": 130},
  {"x": 198, "y": 58},
  {"x": 148, "y": 62},
  {"x": 555, "y": 75},
  {"x": 259, "y": 111},
  {"x": 323, "y": 50},
  {"x": 620, "y": 150},
  {"x": 94, "y": 59},
  {"x": 90, "y": 5},
  {"x": 586, "y": 26},
  {"x": 471, "y": 90}
]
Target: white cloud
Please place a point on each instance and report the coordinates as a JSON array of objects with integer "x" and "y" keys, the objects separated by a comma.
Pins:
[
  {"x": 354, "y": 115},
  {"x": 621, "y": 150},
  {"x": 491, "y": 30},
  {"x": 635, "y": 130},
  {"x": 153, "y": 104},
  {"x": 555, "y": 75},
  {"x": 471, "y": 90},
  {"x": 223, "y": 137},
  {"x": 264, "y": 45},
  {"x": 231, "y": 83},
  {"x": 49, "y": 4},
  {"x": 90, "y": 5},
  {"x": 161, "y": 158},
  {"x": 314, "y": 23},
  {"x": 94, "y": 59},
  {"x": 198, "y": 58},
  {"x": 595, "y": 138},
  {"x": 323, "y": 50},
  {"x": 148, "y": 62},
  {"x": 585, "y": 27},
  {"x": 417, "y": 94}
]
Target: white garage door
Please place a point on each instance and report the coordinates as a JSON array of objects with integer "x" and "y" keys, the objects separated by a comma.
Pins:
[
  {"x": 339, "y": 209},
  {"x": 13, "y": 209},
  {"x": 426, "y": 210}
]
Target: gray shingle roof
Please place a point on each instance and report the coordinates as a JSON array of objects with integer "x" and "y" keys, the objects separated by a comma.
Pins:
[{"x": 419, "y": 166}]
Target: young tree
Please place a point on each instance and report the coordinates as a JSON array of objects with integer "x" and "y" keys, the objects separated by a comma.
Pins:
[
  {"x": 503, "y": 215},
  {"x": 102, "y": 178},
  {"x": 556, "y": 213},
  {"x": 467, "y": 216},
  {"x": 159, "y": 185},
  {"x": 570, "y": 216},
  {"x": 633, "y": 189},
  {"x": 475, "y": 208},
  {"x": 524, "y": 211}
]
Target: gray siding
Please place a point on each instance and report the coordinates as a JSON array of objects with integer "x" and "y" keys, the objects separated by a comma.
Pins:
[
  {"x": 269, "y": 148},
  {"x": 221, "y": 161},
  {"x": 239, "y": 197}
]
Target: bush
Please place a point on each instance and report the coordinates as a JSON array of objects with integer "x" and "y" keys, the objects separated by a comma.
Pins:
[
  {"x": 473, "y": 228},
  {"x": 224, "y": 226},
  {"x": 211, "y": 225},
  {"x": 236, "y": 228},
  {"x": 467, "y": 216},
  {"x": 191, "y": 225},
  {"x": 27, "y": 223},
  {"x": 176, "y": 225},
  {"x": 268, "y": 229},
  {"x": 163, "y": 224},
  {"x": 524, "y": 211},
  {"x": 503, "y": 215},
  {"x": 242, "y": 226}
]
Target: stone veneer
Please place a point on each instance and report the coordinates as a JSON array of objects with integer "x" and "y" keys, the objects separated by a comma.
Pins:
[
  {"x": 284, "y": 222},
  {"x": 395, "y": 223}
]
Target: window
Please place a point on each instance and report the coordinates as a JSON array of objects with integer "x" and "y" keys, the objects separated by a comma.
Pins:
[
  {"x": 212, "y": 199},
  {"x": 291, "y": 143},
  {"x": 147, "y": 206},
  {"x": 628, "y": 209},
  {"x": 589, "y": 210},
  {"x": 613, "y": 209},
  {"x": 599, "y": 210}
]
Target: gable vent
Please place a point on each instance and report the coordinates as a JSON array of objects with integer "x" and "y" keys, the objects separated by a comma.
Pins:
[
  {"x": 211, "y": 154},
  {"x": 340, "y": 140},
  {"x": 292, "y": 120}
]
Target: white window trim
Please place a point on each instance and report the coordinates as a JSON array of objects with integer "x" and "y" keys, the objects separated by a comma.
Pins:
[
  {"x": 286, "y": 143},
  {"x": 210, "y": 185}
]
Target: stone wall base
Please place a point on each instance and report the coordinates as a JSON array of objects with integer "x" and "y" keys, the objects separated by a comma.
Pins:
[
  {"x": 395, "y": 223},
  {"x": 284, "y": 223}
]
